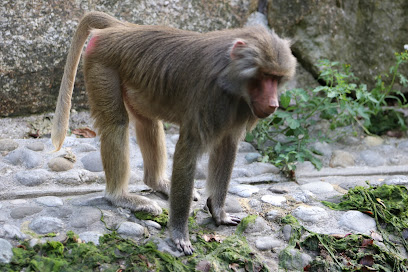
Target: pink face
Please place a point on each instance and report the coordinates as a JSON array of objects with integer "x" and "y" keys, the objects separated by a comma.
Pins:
[{"x": 264, "y": 95}]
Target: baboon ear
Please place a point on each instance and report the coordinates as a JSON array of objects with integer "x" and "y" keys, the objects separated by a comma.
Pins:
[{"x": 238, "y": 44}]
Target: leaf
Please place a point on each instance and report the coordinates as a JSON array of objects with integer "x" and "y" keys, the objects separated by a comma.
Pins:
[
  {"x": 285, "y": 100},
  {"x": 212, "y": 238},
  {"x": 234, "y": 267},
  {"x": 84, "y": 132},
  {"x": 379, "y": 200},
  {"x": 376, "y": 236},
  {"x": 367, "y": 242}
]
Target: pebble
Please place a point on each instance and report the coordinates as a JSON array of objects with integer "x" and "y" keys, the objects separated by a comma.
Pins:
[
  {"x": 60, "y": 164},
  {"x": 304, "y": 196},
  {"x": 287, "y": 232},
  {"x": 36, "y": 146},
  {"x": 318, "y": 187},
  {"x": 90, "y": 236},
  {"x": 275, "y": 200},
  {"x": 7, "y": 145},
  {"x": 396, "y": 180},
  {"x": 13, "y": 232},
  {"x": 131, "y": 229},
  {"x": 372, "y": 158},
  {"x": 85, "y": 148},
  {"x": 33, "y": 177},
  {"x": 322, "y": 148},
  {"x": 27, "y": 158},
  {"x": 85, "y": 216},
  {"x": 253, "y": 157},
  {"x": 93, "y": 162},
  {"x": 24, "y": 211},
  {"x": 232, "y": 205},
  {"x": 245, "y": 147},
  {"x": 341, "y": 158},
  {"x": 403, "y": 146},
  {"x": 373, "y": 141},
  {"x": 6, "y": 252},
  {"x": 272, "y": 215},
  {"x": 357, "y": 221},
  {"x": 260, "y": 225},
  {"x": 152, "y": 224},
  {"x": 267, "y": 243},
  {"x": 50, "y": 201},
  {"x": 311, "y": 214},
  {"x": 46, "y": 224},
  {"x": 243, "y": 190},
  {"x": 296, "y": 261}
]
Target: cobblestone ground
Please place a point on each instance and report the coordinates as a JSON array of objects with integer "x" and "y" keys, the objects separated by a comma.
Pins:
[{"x": 43, "y": 192}]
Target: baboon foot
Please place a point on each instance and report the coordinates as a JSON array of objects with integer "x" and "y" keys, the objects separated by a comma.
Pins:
[
  {"x": 135, "y": 203},
  {"x": 221, "y": 217},
  {"x": 182, "y": 242}
]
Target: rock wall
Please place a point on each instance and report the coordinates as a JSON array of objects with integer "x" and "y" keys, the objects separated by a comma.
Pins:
[
  {"x": 363, "y": 33},
  {"x": 35, "y": 36}
]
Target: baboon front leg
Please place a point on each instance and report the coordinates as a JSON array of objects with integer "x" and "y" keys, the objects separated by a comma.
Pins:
[
  {"x": 112, "y": 121},
  {"x": 151, "y": 140},
  {"x": 220, "y": 165},
  {"x": 181, "y": 192}
]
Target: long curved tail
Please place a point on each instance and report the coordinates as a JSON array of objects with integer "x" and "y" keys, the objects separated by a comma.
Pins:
[{"x": 91, "y": 20}]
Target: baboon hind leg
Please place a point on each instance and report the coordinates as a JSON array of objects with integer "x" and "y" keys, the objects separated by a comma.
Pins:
[
  {"x": 112, "y": 122},
  {"x": 152, "y": 143}
]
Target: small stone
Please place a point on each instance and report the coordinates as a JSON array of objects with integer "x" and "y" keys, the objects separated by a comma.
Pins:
[
  {"x": 403, "y": 146},
  {"x": 36, "y": 146},
  {"x": 260, "y": 225},
  {"x": 341, "y": 158},
  {"x": 84, "y": 217},
  {"x": 265, "y": 178},
  {"x": 396, "y": 180},
  {"x": 322, "y": 148},
  {"x": 239, "y": 173},
  {"x": 50, "y": 201},
  {"x": 373, "y": 141},
  {"x": 267, "y": 243},
  {"x": 254, "y": 203},
  {"x": 310, "y": 213},
  {"x": 85, "y": 148},
  {"x": 259, "y": 168},
  {"x": 275, "y": 200},
  {"x": 60, "y": 164},
  {"x": 33, "y": 177},
  {"x": 253, "y": 157},
  {"x": 174, "y": 138},
  {"x": 372, "y": 158},
  {"x": 25, "y": 157},
  {"x": 6, "y": 251},
  {"x": 131, "y": 229},
  {"x": 90, "y": 236},
  {"x": 243, "y": 190},
  {"x": 45, "y": 224},
  {"x": 152, "y": 224},
  {"x": 7, "y": 145},
  {"x": 92, "y": 162},
  {"x": 232, "y": 205},
  {"x": 272, "y": 215},
  {"x": 358, "y": 222},
  {"x": 167, "y": 246},
  {"x": 13, "y": 232},
  {"x": 318, "y": 187},
  {"x": 304, "y": 196},
  {"x": 287, "y": 232},
  {"x": 295, "y": 260},
  {"x": 21, "y": 212},
  {"x": 246, "y": 147}
]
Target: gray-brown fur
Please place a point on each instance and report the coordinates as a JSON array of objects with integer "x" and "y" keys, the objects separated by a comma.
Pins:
[{"x": 213, "y": 85}]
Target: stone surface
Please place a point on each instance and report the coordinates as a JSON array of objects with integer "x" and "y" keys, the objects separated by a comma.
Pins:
[
  {"x": 243, "y": 190},
  {"x": 60, "y": 164},
  {"x": 33, "y": 177},
  {"x": 275, "y": 200},
  {"x": 7, "y": 145},
  {"x": 24, "y": 211},
  {"x": 341, "y": 158},
  {"x": 13, "y": 232},
  {"x": 90, "y": 236},
  {"x": 396, "y": 180},
  {"x": 50, "y": 201},
  {"x": 6, "y": 252},
  {"x": 373, "y": 141},
  {"x": 25, "y": 157},
  {"x": 45, "y": 224},
  {"x": 318, "y": 187},
  {"x": 310, "y": 213},
  {"x": 93, "y": 162},
  {"x": 357, "y": 221},
  {"x": 36, "y": 146},
  {"x": 267, "y": 243},
  {"x": 131, "y": 229},
  {"x": 372, "y": 158}
]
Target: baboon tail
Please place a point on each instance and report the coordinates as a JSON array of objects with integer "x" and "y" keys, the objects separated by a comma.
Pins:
[{"x": 91, "y": 20}]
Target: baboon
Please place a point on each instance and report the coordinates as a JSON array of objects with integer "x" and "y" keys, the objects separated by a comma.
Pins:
[{"x": 215, "y": 86}]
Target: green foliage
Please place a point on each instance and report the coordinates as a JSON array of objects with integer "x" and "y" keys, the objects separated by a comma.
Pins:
[
  {"x": 356, "y": 252},
  {"x": 118, "y": 254},
  {"x": 285, "y": 137},
  {"x": 162, "y": 219}
]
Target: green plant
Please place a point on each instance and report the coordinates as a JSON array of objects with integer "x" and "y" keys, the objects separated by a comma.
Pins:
[{"x": 285, "y": 137}]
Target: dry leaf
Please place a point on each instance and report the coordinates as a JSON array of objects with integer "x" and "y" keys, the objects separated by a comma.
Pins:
[
  {"x": 367, "y": 242},
  {"x": 84, "y": 132},
  {"x": 376, "y": 236},
  {"x": 379, "y": 200},
  {"x": 367, "y": 260},
  {"x": 234, "y": 267},
  {"x": 212, "y": 238}
]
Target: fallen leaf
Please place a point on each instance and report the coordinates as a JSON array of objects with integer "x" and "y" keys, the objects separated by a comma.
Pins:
[
  {"x": 367, "y": 260},
  {"x": 212, "y": 238},
  {"x": 84, "y": 132},
  {"x": 203, "y": 266},
  {"x": 379, "y": 200},
  {"x": 367, "y": 242}
]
